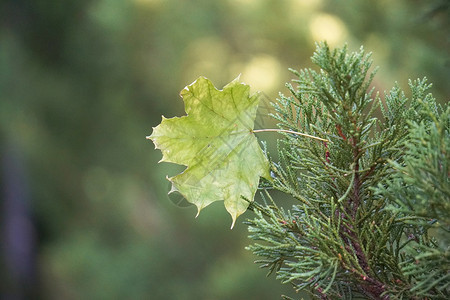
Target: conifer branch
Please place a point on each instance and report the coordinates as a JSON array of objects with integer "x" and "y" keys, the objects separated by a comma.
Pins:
[{"x": 365, "y": 236}]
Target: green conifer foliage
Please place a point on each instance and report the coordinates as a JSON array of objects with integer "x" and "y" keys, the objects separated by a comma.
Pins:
[
  {"x": 373, "y": 210},
  {"x": 369, "y": 176}
]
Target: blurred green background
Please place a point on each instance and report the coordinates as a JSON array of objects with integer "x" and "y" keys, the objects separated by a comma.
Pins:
[{"x": 84, "y": 206}]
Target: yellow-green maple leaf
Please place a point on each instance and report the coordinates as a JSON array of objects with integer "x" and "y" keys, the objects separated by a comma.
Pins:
[{"x": 216, "y": 143}]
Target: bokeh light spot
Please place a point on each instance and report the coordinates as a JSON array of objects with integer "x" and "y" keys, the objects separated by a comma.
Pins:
[
  {"x": 262, "y": 73},
  {"x": 329, "y": 28}
]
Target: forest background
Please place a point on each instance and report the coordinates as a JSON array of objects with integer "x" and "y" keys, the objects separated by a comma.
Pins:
[{"x": 84, "y": 211}]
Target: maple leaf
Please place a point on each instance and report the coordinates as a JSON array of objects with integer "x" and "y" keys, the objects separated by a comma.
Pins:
[{"x": 216, "y": 143}]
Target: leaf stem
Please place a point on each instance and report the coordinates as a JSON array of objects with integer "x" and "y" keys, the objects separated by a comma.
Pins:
[{"x": 290, "y": 131}]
